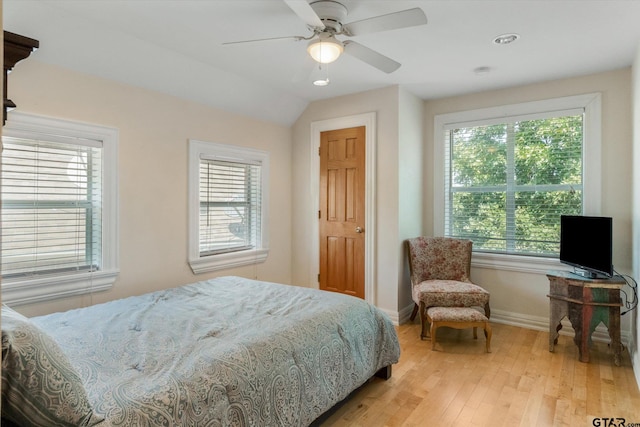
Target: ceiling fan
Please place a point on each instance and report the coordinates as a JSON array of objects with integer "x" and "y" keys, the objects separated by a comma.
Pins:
[{"x": 325, "y": 18}]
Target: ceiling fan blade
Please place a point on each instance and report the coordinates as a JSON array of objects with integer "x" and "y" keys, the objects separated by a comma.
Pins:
[
  {"x": 306, "y": 13},
  {"x": 371, "y": 57},
  {"x": 391, "y": 21},
  {"x": 296, "y": 38}
]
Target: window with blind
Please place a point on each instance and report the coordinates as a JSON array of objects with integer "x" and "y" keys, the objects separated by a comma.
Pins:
[
  {"x": 509, "y": 173},
  {"x": 51, "y": 207},
  {"x": 507, "y": 184},
  {"x": 230, "y": 206},
  {"x": 57, "y": 179},
  {"x": 227, "y": 204}
]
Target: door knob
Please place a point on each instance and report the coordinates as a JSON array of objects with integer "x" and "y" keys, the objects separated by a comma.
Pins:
[{"x": 359, "y": 230}]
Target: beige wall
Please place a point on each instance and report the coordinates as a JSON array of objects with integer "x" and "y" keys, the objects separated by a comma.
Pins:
[
  {"x": 399, "y": 187},
  {"x": 385, "y": 103},
  {"x": 634, "y": 347},
  {"x": 153, "y": 201},
  {"x": 411, "y": 182},
  {"x": 517, "y": 297},
  {"x": 521, "y": 297},
  {"x": 154, "y": 130}
]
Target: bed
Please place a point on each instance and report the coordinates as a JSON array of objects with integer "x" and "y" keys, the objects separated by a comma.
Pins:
[{"x": 222, "y": 352}]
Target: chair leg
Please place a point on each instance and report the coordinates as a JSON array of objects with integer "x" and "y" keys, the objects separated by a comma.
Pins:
[
  {"x": 423, "y": 321},
  {"x": 434, "y": 328},
  {"x": 414, "y": 312},
  {"x": 487, "y": 334}
]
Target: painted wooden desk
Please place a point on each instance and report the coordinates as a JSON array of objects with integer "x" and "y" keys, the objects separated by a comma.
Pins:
[{"x": 586, "y": 302}]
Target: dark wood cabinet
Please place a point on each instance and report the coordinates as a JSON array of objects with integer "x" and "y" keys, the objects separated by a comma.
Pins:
[{"x": 16, "y": 48}]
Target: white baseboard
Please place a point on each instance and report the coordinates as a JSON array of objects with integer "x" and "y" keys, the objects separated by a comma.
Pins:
[
  {"x": 537, "y": 323},
  {"x": 542, "y": 324},
  {"x": 400, "y": 317}
]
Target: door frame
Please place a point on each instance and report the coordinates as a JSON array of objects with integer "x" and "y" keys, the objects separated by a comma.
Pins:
[{"x": 368, "y": 120}]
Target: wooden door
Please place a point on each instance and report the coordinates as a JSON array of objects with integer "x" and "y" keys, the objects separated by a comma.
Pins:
[{"x": 342, "y": 210}]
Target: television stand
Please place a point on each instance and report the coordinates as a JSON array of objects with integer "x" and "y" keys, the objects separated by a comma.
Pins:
[{"x": 586, "y": 302}]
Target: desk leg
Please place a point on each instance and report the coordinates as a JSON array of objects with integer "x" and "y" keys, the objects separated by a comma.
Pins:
[
  {"x": 558, "y": 310},
  {"x": 587, "y": 315},
  {"x": 553, "y": 335},
  {"x": 580, "y": 321},
  {"x": 614, "y": 333}
]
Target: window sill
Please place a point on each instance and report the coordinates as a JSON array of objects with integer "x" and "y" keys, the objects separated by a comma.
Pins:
[
  {"x": 46, "y": 288},
  {"x": 520, "y": 263},
  {"x": 228, "y": 260}
]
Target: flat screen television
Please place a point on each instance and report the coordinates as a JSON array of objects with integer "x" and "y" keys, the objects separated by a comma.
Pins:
[{"x": 586, "y": 242}]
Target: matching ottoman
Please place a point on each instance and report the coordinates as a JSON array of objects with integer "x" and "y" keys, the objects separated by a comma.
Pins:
[{"x": 459, "y": 318}]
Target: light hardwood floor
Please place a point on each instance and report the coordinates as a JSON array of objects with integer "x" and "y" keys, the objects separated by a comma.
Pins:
[{"x": 519, "y": 384}]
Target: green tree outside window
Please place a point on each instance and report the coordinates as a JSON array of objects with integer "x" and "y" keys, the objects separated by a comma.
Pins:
[{"x": 508, "y": 184}]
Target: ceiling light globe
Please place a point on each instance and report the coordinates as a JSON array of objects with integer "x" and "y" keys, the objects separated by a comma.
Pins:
[{"x": 325, "y": 50}]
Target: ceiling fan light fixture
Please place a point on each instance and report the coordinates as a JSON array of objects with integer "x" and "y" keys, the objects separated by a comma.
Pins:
[{"x": 325, "y": 49}]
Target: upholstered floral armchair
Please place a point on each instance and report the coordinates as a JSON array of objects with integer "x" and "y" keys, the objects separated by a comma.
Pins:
[{"x": 440, "y": 269}]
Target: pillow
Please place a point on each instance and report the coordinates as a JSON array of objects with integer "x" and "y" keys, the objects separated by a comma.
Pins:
[{"x": 40, "y": 387}]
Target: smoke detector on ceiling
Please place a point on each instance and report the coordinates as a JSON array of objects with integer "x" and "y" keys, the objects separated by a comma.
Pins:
[{"x": 506, "y": 38}]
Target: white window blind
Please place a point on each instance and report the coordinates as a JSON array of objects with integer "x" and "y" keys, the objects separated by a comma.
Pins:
[
  {"x": 51, "y": 206},
  {"x": 508, "y": 181},
  {"x": 230, "y": 206}
]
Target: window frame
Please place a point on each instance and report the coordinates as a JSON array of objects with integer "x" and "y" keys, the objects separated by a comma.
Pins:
[
  {"x": 45, "y": 287},
  {"x": 592, "y": 170},
  {"x": 225, "y": 152}
]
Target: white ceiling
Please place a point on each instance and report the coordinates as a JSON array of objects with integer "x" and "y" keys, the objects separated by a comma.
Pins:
[{"x": 175, "y": 46}]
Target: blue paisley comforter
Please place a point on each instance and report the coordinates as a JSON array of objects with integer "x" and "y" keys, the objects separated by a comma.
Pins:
[{"x": 223, "y": 352}]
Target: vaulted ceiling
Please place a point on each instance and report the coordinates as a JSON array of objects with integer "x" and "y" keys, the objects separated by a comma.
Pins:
[{"x": 177, "y": 46}]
